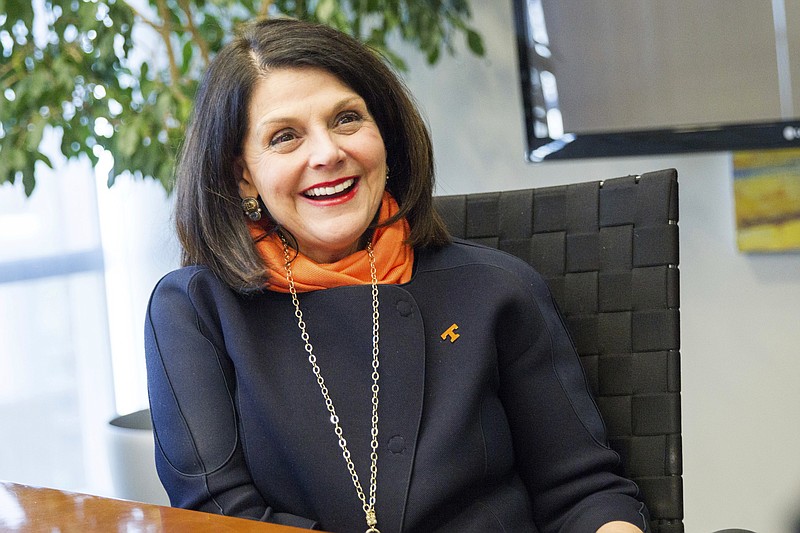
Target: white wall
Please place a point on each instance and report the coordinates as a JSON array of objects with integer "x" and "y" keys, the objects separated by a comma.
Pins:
[
  {"x": 740, "y": 316},
  {"x": 139, "y": 246}
]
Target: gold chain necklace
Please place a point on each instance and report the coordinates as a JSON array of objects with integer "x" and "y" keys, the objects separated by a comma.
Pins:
[{"x": 368, "y": 505}]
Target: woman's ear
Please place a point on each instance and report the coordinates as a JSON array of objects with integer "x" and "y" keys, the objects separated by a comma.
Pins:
[{"x": 247, "y": 188}]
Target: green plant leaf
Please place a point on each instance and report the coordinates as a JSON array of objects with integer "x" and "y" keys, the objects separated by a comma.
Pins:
[
  {"x": 186, "y": 60},
  {"x": 35, "y": 132},
  {"x": 128, "y": 140},
  {"x": 19, "y": 10},
  {"x": 475, "y": 43},
  {"x": 28, "y": 179}
]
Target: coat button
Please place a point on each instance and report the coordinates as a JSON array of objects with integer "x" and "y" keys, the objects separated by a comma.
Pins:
[
  {"x": 404, "y": 307},
  {"x": 397, "y": 444}
]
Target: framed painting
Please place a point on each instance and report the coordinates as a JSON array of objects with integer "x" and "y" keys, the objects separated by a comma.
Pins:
[{"x": 766, "y": 187}]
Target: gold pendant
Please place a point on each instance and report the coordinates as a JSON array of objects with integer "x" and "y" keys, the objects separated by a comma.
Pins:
[{"x": 372, "y": 521}]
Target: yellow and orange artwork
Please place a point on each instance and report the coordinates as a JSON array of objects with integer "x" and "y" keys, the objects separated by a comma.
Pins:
[{"x": 766, "y": 187}]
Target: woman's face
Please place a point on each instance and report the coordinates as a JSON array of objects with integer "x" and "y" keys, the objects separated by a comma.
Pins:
[{"x": 315, "y": 156}]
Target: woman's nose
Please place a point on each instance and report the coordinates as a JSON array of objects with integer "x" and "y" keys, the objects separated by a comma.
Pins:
[{"x": 324, "y": 150}]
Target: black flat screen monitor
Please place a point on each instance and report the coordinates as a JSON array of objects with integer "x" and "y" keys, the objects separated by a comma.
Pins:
[{"x": 634, "y": 77}]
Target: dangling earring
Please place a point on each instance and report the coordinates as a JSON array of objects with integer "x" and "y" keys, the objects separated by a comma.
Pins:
[
  {"x": 251, "y": 208},
  {"x": 387, "y": 174}
]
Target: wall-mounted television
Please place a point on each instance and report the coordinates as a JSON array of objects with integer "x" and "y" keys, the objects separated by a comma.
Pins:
[{"x": 634, "y": 77}]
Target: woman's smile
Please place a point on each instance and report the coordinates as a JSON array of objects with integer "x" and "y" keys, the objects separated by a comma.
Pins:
[{"x": 339, "y": 190}]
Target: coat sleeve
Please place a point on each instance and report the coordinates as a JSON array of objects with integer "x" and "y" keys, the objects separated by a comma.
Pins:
[
  {"x": 559, "y": 437},
  {"x": 191, "y": 384}
]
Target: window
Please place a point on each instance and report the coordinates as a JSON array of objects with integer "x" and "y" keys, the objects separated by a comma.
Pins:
[{"x": 55, "y": 373}]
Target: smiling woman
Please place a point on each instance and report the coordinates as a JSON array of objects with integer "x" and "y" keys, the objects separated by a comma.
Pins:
[
  {"x": 316, "y": 157},
  {"x": 300, "y": 368}
]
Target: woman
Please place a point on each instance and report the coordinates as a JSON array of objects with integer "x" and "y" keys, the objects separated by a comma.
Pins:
[{"x": 328, "y": 358}]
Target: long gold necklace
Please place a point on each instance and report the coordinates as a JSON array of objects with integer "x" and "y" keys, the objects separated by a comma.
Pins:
[{"x": 368, "y": 505}]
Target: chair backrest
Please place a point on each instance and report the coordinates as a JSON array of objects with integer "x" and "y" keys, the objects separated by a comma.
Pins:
[{"x": 609, "y": 252}]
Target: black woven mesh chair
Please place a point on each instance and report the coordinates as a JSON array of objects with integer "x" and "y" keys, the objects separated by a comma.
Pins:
[{"x": 609, "y": 252}]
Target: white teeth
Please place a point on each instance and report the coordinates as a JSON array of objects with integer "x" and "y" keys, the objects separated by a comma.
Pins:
[{"x": 327, "y": 191}]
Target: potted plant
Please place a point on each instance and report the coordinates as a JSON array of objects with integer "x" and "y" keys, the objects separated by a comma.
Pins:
[{"x": 118, "y": 76}]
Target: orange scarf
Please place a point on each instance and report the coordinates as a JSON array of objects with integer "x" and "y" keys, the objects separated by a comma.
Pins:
[{"x": 394, "y": 259}]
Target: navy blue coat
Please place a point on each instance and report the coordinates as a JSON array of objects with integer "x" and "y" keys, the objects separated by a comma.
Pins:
[{"x": 490, "y": 430}]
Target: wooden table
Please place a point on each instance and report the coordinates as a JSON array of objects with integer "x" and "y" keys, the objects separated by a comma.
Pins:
[{"x": 41, "y": 510}]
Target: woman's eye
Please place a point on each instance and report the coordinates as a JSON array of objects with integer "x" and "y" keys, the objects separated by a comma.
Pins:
[
  {"x": 282, "y": 137},
  {"x": 348, "y": 118}
]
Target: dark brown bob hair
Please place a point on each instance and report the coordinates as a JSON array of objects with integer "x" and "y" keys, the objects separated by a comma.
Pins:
[{"x": 211, "y": 225}]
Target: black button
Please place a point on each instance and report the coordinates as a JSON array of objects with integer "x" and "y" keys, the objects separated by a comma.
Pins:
[
  {"x": 404, "y": 307},
  {"x": 397, "y": 444}
]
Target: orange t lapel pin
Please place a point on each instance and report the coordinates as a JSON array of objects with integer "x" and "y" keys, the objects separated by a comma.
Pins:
[{"x": 451, "y": 333}]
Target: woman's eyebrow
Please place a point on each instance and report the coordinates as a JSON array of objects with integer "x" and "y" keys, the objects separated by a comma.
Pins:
[{"x": 350, "y": 100}]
